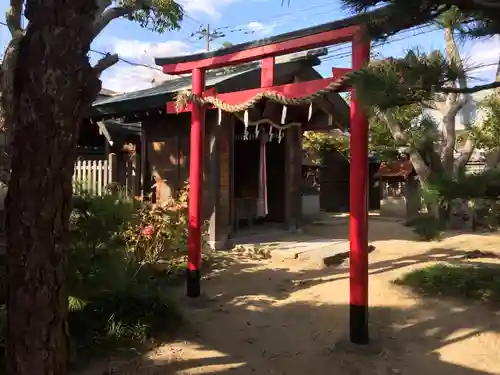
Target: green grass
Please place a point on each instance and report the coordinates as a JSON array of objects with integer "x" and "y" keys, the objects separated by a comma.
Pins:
[{"x": 469, "y": 282}]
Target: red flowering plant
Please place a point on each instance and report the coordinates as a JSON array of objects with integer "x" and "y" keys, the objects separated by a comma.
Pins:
[{"x": 159, "y": 232}]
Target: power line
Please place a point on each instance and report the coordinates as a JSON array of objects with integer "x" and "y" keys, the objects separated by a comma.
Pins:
[
  {"x": 345, "y": 51},
  {"x": 283, "y": 15},
  {"x": 248, "y": 30},
  {"x": 187, "y": 16},
  {"x": 119, "y": 58},
  {"x": 340, "y": 52},
  {"x": 127, "y": 61}
]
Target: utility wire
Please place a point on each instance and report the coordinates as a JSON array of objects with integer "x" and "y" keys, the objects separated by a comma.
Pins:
[
  {"x": 339, "y": 53},
  {"x": 216, "y": 33},
  {"x": 345, "y": 50},
  {"x": 326, "y": 58},
  {"x": 247, "y": 29},
  {"x": 119, "y": 58},
  {"x": 127, "y": 61},
  {"x": 284, "y": 15}
]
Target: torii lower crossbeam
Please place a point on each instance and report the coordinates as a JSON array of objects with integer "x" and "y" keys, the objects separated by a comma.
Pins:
[{"x": 266, "y": 50}]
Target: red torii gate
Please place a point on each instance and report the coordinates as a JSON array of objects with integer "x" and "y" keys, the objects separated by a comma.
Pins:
[{"x": 266, "y": 50}]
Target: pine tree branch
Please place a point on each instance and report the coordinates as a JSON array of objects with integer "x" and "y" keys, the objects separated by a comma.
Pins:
[
  {"x": 470, "y": 143},
  {"x": 104, "y": 63},
  {"x": 101, "y": 7},
  {"x": 13, "y": 16},
  {"x": 400, "y": 137},
  {"x": 493, "y": 4},
  {"x": 398, "y": 15},
  {"x": 468, "y": 90},
  {"x": 107, "y": 16},
  {"x": 454, "y": 101}
]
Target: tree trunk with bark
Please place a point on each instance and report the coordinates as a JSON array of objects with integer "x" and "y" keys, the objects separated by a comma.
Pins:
[{"x": 53, "y": 88}]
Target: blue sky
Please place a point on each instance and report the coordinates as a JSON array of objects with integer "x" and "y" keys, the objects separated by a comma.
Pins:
[{"x": 242, "y": 21}]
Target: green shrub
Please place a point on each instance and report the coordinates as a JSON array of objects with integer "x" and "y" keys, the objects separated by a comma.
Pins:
[
  {"x": 115, "y": 302},
  {"x": 426, "y": 227},
  {"x": 484, "y": 184},
  {"x": 97, "y": 221},
  {"x": 472, "y": 282},
  {"x": 160, "y": 232},
  {"x": 114, "y": 299},
  {"x": 487, "y": 213}
]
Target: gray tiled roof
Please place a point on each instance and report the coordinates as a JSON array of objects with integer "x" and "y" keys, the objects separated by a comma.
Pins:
[{"x": 156, "y": 96}]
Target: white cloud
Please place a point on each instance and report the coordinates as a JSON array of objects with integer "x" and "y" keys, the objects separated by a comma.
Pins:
[
  {"x": 125, "y": 77},
  {"x": 260, "y": 28},
  {"x": 209, "y": 7},
  {"x": 145, "y": 52}
]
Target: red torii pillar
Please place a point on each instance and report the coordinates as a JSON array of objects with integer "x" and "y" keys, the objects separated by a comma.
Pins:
[
  {"x": 195, "y": 208},
  {"x": 358, "y": 193}
]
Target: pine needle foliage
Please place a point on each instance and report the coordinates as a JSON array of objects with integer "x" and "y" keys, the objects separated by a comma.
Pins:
[{"x": 479, "y": 18}]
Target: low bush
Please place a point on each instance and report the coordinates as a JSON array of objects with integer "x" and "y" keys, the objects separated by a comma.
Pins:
[
  {"x": 426, "y": 227},
  {"x": 115, "y": 300},
  {"x": 469, "y": 282},
  {"x": 475, "y": 194},
  {"x": 159, "y": 232}
]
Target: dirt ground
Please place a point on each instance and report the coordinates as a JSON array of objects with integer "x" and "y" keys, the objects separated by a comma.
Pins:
[{"x": 290, "y": 316}]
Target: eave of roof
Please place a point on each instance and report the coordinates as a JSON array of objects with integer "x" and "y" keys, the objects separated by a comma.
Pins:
[
  {"x": 108, "y": 92},
  {"x": 397, "y": 168}
]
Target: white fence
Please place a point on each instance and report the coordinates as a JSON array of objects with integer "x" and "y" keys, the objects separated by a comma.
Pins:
[{"x": 92, "y": 176}]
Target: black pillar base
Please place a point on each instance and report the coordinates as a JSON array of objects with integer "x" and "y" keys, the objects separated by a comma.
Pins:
[
  {"x": 358, "y": 324},
  {"x": 193, "y": 283}
]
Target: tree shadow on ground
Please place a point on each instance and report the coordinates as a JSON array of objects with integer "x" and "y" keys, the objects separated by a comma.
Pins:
[
  {"x": 282, "y": 282},
  {"x": 301, "y": 338},
  {"x": 256, "y": 320}
]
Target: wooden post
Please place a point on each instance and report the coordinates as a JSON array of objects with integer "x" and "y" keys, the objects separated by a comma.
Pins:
[
  {"x": 145, "y": 172},
  {"x": 129, "y": 174},
  {"x": 358, "y": 220},
  {"x": 136, "y": 167},
  {"x": 220, "y": 220},
  {"x": 293, "y": 175},
  {"x": 113, "y": 168}
]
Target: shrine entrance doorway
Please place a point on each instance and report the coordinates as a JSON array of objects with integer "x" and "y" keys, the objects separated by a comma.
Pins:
[{"x": 259, "y": 181}]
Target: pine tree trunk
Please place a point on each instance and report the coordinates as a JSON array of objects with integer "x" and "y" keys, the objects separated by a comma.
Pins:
[{"x": 53, "y": 90}]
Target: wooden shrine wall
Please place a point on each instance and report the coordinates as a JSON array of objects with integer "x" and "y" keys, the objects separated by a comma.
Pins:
[
  {"x": 168, "y": 140},
  {"x": 168, "y": 143}
]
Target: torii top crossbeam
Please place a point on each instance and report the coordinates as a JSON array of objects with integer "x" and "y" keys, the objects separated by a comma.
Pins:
[
  {"x": 350, "y": 29},
  {"x": 328, "y": 34}
]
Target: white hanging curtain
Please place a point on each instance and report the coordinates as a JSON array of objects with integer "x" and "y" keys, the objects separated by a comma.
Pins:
[{"x": 262, "y": 199}]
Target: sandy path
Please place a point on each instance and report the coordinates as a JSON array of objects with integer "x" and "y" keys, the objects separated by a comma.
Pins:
[{"x": 288, "y": 316}]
